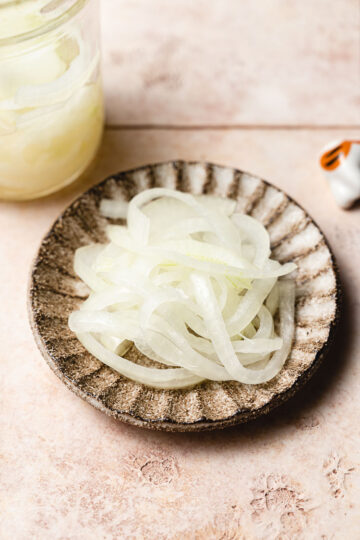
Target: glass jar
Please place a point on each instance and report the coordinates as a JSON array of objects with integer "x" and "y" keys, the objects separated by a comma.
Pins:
[{"x": 51, "y": 103}]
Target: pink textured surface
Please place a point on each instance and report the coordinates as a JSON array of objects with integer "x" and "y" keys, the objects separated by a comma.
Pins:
[
  {"x": 232, "y": 62},
  {"x": 70, "y": 473}
]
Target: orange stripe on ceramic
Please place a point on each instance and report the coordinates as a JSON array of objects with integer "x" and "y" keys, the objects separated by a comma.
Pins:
[{"x": 331, "y": 159}]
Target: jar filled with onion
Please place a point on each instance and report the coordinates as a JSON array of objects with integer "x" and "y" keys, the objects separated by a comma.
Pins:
[{"x": 51, "y": 104}]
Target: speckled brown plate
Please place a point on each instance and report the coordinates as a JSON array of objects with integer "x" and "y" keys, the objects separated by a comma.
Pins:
[{"x": 55, "y": 291}]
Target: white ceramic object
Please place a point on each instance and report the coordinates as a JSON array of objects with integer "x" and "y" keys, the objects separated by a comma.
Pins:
[{"x": 340, "y": 162}]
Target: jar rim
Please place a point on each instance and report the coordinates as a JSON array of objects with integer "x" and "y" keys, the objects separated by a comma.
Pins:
[{"x": 42, "y": 29}]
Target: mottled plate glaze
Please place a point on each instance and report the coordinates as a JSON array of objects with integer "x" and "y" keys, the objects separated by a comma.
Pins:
[{"x": 55, "y": 291}]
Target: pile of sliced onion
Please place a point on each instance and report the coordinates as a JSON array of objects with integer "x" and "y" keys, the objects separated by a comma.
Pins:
[{"x": 191, "y": 284}]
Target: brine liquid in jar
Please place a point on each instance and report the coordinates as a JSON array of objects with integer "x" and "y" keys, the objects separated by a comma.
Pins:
[{"x": 51, "y": 103}]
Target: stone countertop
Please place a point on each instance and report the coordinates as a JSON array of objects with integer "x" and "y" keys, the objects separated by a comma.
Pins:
[{"x": 197, "y": 81}]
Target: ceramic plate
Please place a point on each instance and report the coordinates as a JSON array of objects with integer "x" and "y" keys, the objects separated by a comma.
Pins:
[{"x": 55, "y": 292}]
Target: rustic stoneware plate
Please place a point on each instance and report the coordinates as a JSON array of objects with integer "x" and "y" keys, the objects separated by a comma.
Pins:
[{"x": 55, "y": 292}]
